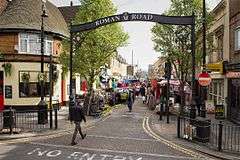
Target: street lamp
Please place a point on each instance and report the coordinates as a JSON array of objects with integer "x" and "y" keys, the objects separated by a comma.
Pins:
[
  {"x": 42, "y": 116},
  {"x": 204, "y": 89}
]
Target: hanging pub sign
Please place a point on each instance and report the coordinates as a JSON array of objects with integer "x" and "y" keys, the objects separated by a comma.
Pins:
[{"x": 219, "y": 112}]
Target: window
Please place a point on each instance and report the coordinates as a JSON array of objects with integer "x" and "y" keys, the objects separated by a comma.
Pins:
[
  {"x": 216, "y": 91},
  {"x": 29, "y": 85},
  {"x": 31, "y": 43},
  {"x": 237, "y": 39},
  {"x": 33, "y": 89}
]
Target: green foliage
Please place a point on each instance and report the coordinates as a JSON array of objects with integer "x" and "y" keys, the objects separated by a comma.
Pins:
[
  {"x": 25, "y": 77},
  {"x": 93, "y": 49},
  {"x": 174, "y": 42},
  {"x": 7, "y": 69}
]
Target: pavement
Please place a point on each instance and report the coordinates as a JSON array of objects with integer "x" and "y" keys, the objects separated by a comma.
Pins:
[
  {"x": 121, "y": 136},
  {"x": 64, "y": 125},
  {"x": 169, "y": 132}
]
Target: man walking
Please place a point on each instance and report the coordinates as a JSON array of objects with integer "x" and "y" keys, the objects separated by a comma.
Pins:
[
  {"x": 130, "y": 100},
  {"x": 77, "y": 116}
]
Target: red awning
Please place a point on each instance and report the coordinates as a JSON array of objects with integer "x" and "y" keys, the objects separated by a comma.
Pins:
[{"x": 233, "y": 75}]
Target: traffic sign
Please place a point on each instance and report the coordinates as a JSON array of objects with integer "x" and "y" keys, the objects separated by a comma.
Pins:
[{"x": 204, "y": 79}]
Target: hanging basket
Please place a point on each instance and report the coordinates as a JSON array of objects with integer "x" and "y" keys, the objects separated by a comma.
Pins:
[
  {"x": 42, "y": 77},
  {"x": 7, "y": 69},
  {"x": 25, "y": 77}
]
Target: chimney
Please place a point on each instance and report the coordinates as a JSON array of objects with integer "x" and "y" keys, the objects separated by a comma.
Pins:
[{"x": 3, "y": 5}]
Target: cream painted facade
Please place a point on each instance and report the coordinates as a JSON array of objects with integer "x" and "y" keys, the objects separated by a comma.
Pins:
[
  {"x": 118, "y": 67},
  {"x": 13, "y": 81},
  {"x": 219, "y": 31},
  {"x": 158, "y": 68}
]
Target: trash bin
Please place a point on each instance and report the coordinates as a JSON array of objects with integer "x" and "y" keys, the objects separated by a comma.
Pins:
[
  {"x": 42, "y": 113},
  {"x": 202, "y": 131},
  {"x": 9, "y": 118}
]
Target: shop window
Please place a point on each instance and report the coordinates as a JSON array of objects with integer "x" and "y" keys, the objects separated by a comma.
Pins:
[
  {"x": 216, "y": 92},
  {"x": 237, "y": 39},
  {"x": 32, "y": 89}
]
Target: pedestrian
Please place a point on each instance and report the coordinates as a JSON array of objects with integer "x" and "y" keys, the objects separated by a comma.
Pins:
[
  {"x": 143, "y": 93},
  {"x": 130, "y": 99},
  {"x": 77, "y": 116}
]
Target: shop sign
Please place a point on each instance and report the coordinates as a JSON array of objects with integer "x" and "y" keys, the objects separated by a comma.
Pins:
[
  {"x": 219, "y": 112},
  {"x": 215, "y": 67},
  {"x": 204, "y": 79},
  {"x": 173, "y": 20},
  {"x": 233, "y": 75}
]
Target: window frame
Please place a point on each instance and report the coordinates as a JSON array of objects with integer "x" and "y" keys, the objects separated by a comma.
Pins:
[
  {"x": 46, "y": 85},
  {"x": 48, "y": 39},
  {"x": 237, "y": 39}
]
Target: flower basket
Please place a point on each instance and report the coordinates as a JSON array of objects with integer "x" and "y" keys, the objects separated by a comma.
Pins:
[
  {"x": 25, "y": 77},
  {"x": 7, "y": 69}
]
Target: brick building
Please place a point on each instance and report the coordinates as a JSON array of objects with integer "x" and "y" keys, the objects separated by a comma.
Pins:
[{"x": 20, "y": 28}]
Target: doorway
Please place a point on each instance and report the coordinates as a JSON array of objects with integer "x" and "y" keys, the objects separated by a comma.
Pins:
[{"x": 1, "y": 91}]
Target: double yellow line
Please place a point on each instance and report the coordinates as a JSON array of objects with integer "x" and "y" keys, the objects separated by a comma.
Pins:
[{"x": 168, "y": 143}]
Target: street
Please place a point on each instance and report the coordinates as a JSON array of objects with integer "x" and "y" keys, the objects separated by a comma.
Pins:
[{"x": 121, "y": 136}]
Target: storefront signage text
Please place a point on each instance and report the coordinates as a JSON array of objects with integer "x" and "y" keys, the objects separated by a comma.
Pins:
[{"x": 124, "y": 17}]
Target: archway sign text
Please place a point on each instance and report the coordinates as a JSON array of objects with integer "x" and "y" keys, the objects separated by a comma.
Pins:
[{"x": 162, "y": 19}]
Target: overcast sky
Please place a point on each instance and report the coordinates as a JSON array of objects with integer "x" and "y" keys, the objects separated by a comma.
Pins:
[{"x": 140, "y": 35}]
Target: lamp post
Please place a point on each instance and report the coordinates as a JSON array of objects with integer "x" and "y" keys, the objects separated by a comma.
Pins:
[
  {"x": 204, "y": 89},
  {"x": 71, "y": 97},
  {"x": 42, "y": 116}
]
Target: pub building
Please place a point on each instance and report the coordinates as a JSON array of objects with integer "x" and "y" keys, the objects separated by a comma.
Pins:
[{"x": 20, "y": 53}]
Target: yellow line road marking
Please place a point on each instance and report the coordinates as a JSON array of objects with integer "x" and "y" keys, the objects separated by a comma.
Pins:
[{"x": 149, "y": 131}]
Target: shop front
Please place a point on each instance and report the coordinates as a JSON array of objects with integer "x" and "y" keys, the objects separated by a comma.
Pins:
[{"x": 234, "y": 96}]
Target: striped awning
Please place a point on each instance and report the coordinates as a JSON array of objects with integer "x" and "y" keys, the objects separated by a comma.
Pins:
[{"x": 233, "y": 74}]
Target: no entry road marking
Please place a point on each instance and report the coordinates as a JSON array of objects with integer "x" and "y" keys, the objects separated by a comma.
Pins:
[{"x": 86, "y": 150}]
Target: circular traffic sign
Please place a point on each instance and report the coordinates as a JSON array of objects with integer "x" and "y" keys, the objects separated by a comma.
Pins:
[{"x": 204, "y": 79}]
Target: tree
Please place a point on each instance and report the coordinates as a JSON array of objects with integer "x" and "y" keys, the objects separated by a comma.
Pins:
[
  {"x": 174, "y": 42},
  {"x": 93, "y": 49}
]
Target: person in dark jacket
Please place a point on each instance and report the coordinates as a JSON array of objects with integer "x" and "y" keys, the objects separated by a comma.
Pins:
[
  {"x": 130, "y": 100},
  {"x": 77, "y": 116}
]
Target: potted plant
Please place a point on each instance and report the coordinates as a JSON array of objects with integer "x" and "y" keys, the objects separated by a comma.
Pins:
[
  {"x": 42, "y": 77},
  {"x": 25, "y": 77},
  {"x": 7, "y": 69}
]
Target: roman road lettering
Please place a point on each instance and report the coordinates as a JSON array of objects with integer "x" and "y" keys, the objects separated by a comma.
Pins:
[
  {"x": 143, "y": 17},
  {"x": 107, "y": 20}
]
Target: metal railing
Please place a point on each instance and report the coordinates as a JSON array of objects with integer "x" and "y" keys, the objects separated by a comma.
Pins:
[
  {"x": 218, "y": 136},
  {"x": 23, "y": 121}
]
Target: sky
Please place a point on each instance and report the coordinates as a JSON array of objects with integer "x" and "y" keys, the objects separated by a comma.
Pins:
[{"x": 140, "y": 42}]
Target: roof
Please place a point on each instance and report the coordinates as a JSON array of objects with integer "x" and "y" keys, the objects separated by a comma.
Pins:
[
  {"x": 220, "y": 5},
  {"x": 68, "y": 12},
  {"x": 26, "y": 15}
]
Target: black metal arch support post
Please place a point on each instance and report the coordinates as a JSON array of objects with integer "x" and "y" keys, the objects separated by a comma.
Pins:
[
  {"x": 71, "y": 97},
  {"x": 193, "y": 103}
]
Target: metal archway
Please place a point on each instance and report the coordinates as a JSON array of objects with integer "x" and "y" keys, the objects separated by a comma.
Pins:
[{"x": 147, "y": 17}]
